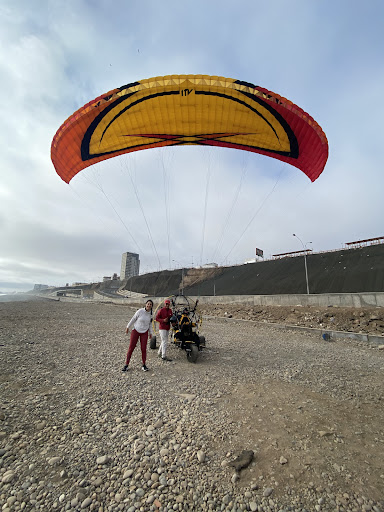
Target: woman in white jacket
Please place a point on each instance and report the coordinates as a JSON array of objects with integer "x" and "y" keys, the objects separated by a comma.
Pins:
[{"x": 142, "y": 328}]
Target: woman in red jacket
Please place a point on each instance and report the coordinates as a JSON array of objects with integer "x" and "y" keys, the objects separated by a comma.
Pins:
[{"x": 163, "y": 316}]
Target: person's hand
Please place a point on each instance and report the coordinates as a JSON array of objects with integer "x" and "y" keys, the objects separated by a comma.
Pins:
[
  {"x": 127, "y": 331},
  {"x": 150, "y": 336}
]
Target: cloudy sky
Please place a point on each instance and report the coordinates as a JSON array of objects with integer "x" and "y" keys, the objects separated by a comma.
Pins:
[{"x": 184, "y": 206}]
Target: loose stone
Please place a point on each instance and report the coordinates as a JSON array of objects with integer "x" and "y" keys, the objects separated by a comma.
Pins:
[
  {"x": 53, "y": 461},
  {"x": 235, "y": 478},
  {"x": 200, "y": 456},
  {"x": 86, "y": 503},
  {"x": 8, "y": 477},
  {"x": 104, "y": 459}
]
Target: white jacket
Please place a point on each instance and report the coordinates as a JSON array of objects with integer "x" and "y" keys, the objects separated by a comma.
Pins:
[{"x": 141, "y": 321}]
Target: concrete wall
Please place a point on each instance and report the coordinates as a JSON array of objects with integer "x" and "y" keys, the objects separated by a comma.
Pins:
[{"x": 355, "y": 300}]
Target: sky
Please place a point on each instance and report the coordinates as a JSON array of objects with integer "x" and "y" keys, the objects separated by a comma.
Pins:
[{"x": 184, "y": 206}]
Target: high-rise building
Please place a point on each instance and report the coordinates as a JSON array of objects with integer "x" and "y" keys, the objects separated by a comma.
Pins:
[{"x": 130, "y": 265}]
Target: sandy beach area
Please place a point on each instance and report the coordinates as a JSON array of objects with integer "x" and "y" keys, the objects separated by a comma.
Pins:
[{"x": 76, "y": 433}]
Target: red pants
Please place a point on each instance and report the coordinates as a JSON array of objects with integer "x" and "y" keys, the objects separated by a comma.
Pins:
[{"x": 133, "y": 342}]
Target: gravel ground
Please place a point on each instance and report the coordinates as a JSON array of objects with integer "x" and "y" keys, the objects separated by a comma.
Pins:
[
  {"x": 365, "y": 320},
  {"x": 78, "y": 434}
]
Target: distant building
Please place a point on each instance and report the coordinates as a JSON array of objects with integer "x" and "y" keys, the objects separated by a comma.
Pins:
[
  {"x": 106, "y": 278},
  {"x": 210, "y": 265},
  {"x": 38, "y": 287},
  {"x": 130, "y": 265}
]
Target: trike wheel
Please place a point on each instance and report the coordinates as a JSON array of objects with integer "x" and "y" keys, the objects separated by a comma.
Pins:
[
  {"x": 152, "y": 343},
  {"x": 192, "y": 353}
]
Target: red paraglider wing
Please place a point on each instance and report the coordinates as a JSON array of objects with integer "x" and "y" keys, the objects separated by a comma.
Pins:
[{"x": 184, "y": 110}]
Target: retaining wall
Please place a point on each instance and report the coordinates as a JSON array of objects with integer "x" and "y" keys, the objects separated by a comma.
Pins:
[{"x": 353, "y": 300}]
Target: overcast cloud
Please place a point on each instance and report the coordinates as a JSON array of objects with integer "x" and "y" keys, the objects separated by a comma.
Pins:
[{"x": 185, "y": 205}]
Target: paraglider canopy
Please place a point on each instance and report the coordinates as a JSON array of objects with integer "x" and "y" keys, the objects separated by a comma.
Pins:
[{"x": 184, "y": 110}]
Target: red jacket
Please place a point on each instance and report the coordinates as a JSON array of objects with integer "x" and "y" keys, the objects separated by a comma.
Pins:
[{"x": 163, "y": 316}]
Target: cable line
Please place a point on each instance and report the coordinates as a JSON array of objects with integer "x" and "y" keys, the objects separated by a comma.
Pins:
[
  {"x": 220, "y": 240},
  {"x": 100, "y": 188},
  {"x": 257, "y": 211},
  {"x": 205, "y": 206},
  {"x": 145, "y": 219},
  {"x": 166, "y": 199}
]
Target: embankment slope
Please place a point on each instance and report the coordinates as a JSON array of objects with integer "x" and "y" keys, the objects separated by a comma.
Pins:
[{"x": 345, "y": 271}]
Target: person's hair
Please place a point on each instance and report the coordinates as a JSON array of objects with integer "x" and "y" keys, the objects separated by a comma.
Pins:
[{"x": 151, "y": 301}]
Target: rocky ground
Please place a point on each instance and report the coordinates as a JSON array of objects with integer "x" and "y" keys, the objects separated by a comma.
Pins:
[
  {"x": 78, "y": 434},
  {"x": 359, "y": 320}
]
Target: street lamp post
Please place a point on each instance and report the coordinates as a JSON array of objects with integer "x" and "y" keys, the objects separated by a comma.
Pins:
[{"x": 305, "y": 262}]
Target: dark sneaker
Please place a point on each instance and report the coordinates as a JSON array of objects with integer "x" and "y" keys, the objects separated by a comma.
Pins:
[
  {"x": 144, "y": 368},
  {"x": 125, "y": 368},
  {"x": 166, "y": 358}
]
